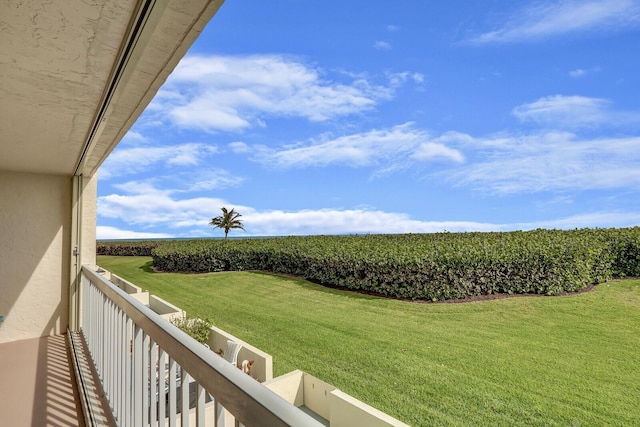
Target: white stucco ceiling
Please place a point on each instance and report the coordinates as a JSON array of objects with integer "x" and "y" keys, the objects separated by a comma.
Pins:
[{"x": 56, "y": 60}]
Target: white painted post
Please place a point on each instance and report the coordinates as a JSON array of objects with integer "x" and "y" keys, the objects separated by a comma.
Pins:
[
  {"x": 184, "y": 397},
  {"x": 172, "y": 392}
]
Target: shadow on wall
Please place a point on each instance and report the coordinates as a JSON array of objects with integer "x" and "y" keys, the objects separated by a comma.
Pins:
[{"x": 35, "y": 216}]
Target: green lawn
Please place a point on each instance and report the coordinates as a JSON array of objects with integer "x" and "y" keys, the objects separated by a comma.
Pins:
[{"x": 545, "y": 361}]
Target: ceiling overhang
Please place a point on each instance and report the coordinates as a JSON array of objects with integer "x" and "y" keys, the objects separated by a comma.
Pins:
[{"x": 74, "y": 76}]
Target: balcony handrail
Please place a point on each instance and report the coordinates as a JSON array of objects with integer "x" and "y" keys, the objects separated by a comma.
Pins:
[{"x": 247, "y": 400}]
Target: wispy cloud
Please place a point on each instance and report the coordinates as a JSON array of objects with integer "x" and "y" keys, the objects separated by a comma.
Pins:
[
  {"x": 554, "y": 18},
  {"x": 188, "y": 180},
  {"x": 574, "y": 112},
  {"x": 389, "y": 148},
  {"x": 550, "y": 161},
  {"x": 136, "y": 159},
  {"x": 578, "y": 72},
  {"x": 233, "y": 93},
  {"x": 239, "y": 147},
  {"x": 208, "y": 179},
  {"x": 430, "y": 151},
  {"x": 601, "y": 219},
  {"x": 581, "y": 72},
  {"x": 399, "y": 79},
  {"x": 382, "y": 45}
]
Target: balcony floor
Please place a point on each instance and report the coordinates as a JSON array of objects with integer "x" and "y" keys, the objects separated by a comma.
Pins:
[{"x": 37, "y": 384}]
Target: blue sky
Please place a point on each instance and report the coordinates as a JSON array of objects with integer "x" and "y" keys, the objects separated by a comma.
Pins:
[{"x": 327, "y": 117}]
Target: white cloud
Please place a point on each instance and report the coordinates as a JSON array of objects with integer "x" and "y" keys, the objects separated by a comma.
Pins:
[
  {"x": 577, "y": 73},
  {"x": 554, "y": 18},
  {"x": 144, "y": 205},
  {"x": 239, "y": 147},
  {"x": 338, "y": 221},
  {"x": 550, "y": 161},
  {"x": 190, "y": 180},
  {"x": 190, "y": 217},
  {"x": 574, "y": 112},
  {"x": 398, "y": 79},
  {"x": 232, "y": 93},
  {"x": 134, "y": 211},
  {"x": 159, "y": 209},
  {"x": 587, "y": 220},
  {"x": 142, "y": 187},
  {"x": 104, "y": 232},
  {"x": 581, "y": 72},
  {"x": 431, "y": 151},
  {"x": 208, "y": 179},
  {"x": 126, "y": 161},
  {"x": 382, "y": 45},
  {"x": 418, "y": 77},
  {"x": 134, "y": 137},
  {"x": 563, "y": 111},
  {"x": 391, "y": 148},
  {"x": 204, "y": 113}
]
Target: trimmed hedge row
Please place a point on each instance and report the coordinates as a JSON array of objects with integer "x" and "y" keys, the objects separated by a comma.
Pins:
[
  {"x": 121, "y": 248},
  {"x": 425, "y": 266}
]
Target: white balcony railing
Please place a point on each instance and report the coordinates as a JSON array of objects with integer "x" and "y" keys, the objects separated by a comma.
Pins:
[{"x": 154, "y": 374}]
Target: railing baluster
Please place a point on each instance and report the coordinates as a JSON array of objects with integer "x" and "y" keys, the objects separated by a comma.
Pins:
[
  {"x": 127, "y": 383},
  {"x": 184, "y": 398},
  {"x": 137, "y": 375},
  {"x": 154, "y": 393},
  {"x": 162, "y": 392},
  {"x": 145, "y": 379},
  {"x": 122, "y": 395},
  {"x": 172, "y": 392},
  {"x": 200, "y": 404},
  {"x": 118, "y": 397},
  {"x": 218, "y": 415}
]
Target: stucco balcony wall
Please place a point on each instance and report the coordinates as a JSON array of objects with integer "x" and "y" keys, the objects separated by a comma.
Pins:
[
  {"x": 34, "y": 254},
  {"x": 328, "y": 404},
  {"x": 262, "y": 362},
  {"x": 164, "y": 308},
  {"x": 123, "y": 284}
]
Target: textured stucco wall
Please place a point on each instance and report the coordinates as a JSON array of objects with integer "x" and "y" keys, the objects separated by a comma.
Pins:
[{"x": 35, "y": 220}]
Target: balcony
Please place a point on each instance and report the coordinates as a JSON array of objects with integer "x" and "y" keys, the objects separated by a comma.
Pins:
[{"x": 131, "y": 365}]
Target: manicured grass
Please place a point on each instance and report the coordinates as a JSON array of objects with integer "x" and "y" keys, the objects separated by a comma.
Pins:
[{"x": 545, "y": 361}]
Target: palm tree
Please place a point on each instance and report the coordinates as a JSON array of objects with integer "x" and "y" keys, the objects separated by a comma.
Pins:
[{"x": 228, "y": 220}]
